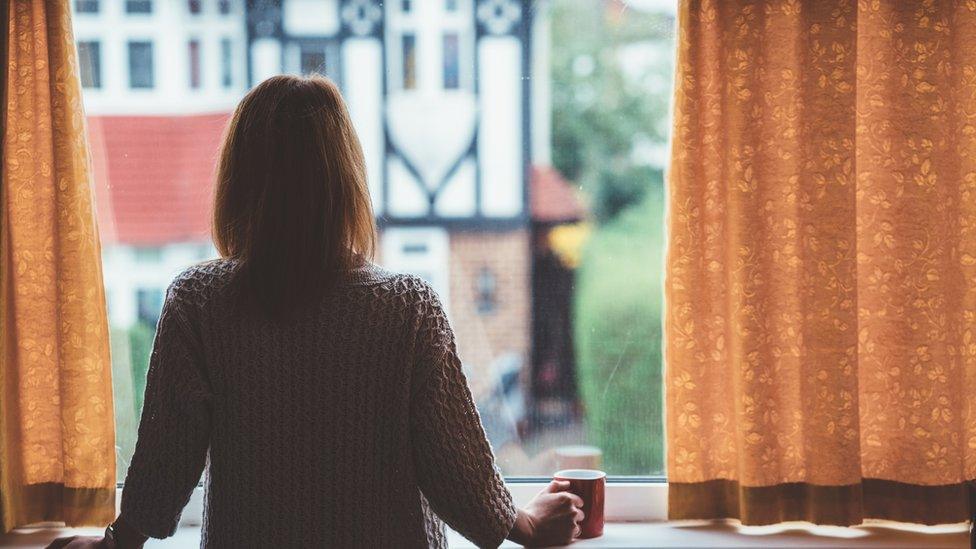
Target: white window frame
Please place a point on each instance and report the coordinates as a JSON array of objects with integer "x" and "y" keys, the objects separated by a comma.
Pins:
[{"x": 627, "y": 501}]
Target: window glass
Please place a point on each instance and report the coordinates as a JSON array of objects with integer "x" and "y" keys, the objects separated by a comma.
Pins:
[
  {"x": 193, "y": 52},
  {"x": 86, "y": 6},
  {"x": 452, "y": 68},
  {"x": 148, "y": 254},
  {"x": 515, "y": 153},
  {"x": 141, "y": 69},
  {"x": 312, "y": 60},
  {"x": 223, "y": 6},
  {"x": 409, "y": 48},
  {"x": 90, "y": 63},
  {"x": 138, "y": 6},
  {"x": 226, "y": 63}
]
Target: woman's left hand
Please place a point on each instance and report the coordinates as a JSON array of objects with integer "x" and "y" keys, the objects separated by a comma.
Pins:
[{"x": 81, "y": 542}]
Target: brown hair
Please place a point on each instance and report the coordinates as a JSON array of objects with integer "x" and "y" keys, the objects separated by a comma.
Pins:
[{"x": 292, "y": 204}]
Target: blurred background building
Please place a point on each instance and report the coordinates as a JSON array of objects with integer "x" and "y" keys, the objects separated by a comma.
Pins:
[{"x": 451, "y": 102}]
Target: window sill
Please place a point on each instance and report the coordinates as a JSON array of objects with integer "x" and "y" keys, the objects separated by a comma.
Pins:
[
  {"x": 644, "y": 534},
  {"x": 636, "y": 513}
]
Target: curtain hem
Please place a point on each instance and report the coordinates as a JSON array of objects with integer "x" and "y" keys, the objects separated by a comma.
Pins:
[
  {"x": 53, "y": 502},
  {"x": 844, "y": 505}
]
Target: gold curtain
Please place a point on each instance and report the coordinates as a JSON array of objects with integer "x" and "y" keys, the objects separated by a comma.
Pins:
[
  {"x": 57, "y": 441},
  {"x": 821, "y": 272}
]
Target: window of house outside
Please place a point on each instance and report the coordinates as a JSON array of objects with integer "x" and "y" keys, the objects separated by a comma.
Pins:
[
  {"x": 86, "y": 6},
  {"x": 90, "y": 61},
  {"x": 142, "y": 72},
  {"x": 515, "y": 152},
  {"x": 138, "y": 6}
]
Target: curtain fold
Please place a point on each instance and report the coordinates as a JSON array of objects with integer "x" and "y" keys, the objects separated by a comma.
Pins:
[
  {"x": 821, "y": 272},
  {"x": 57, "y": 442}
]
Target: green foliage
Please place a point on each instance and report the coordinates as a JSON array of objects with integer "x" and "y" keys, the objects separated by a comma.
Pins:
[
  {"x": 618, "y": 316},
  {"x": 606, "y": 106},
  {"x": 140, "y": 347}
]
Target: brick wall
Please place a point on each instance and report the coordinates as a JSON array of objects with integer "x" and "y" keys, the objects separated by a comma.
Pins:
[{"x": 485, "y": 336}]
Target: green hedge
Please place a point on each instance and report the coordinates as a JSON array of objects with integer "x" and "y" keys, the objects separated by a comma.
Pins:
[{"x": 618, "y": 326}]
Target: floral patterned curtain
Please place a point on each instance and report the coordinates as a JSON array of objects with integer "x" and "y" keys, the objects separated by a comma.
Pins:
[
  {"x": 821, "y": 273},
  {"x": 57, "y": 442}
]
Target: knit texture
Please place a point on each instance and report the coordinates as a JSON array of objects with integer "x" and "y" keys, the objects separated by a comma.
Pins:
[{"x": 349, "y": 426}]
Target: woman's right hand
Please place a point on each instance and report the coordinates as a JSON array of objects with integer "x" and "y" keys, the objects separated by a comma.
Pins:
[{"x": 551, "y": 518}]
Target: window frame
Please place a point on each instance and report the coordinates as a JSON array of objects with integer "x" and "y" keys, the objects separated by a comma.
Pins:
[{"x": 628, "y": 499}]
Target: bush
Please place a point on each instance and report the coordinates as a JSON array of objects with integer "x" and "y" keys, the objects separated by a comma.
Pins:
[
  {"x": 618, "y": 325},
  {"x": 140, "y": 347}
]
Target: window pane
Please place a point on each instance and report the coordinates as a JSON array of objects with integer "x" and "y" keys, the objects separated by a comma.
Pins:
[
  {"x": 223, "y": 6},
  {"x": 90, "y": 63},
  {"x": 226, "y": 63},
  {"x": 312, "y": 60},
  {"x": 526, "y": 188},
  {"x": 452, "y": 66},
  {"x": 409, "y": 47},
  {"x": 141, "y": 69},
  {"x": 193, "y": 6},
  {"x": 194, "y": 58},
  {"x": 86, "y": 6},
  {"x": 138, "y": 6}
]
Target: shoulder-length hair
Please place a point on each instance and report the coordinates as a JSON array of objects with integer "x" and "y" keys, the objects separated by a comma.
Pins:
[{"x": 292, "y": 204}]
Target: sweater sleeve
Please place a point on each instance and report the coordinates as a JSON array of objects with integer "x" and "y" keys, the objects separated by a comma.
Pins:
[
  {"x": 174, "y": 432},
  {"x": 453, "y": 459}
]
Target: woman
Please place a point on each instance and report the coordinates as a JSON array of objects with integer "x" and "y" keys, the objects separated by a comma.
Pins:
[{"x": 325, "y": 394}]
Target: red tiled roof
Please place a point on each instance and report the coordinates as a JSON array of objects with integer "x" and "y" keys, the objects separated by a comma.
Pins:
[
  {"x": 553, "y": 199},
  {"x": 154, "y": 176}
]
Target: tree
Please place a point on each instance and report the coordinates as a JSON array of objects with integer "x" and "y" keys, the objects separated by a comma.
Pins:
[{"x": 610, "y": 106}]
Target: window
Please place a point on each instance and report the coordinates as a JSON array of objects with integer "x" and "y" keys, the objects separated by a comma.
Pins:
[
  {"x": 138, "y": 6},
  {"x": 148, "y": 254},
  {"x": 409, "y": 46},
  {"x": 193, "y": 6},
  {"x": 312, "y": 61},
  {"x": 226, "y": 63},
  {"x": 150, "y": 303},
  {"x": 141, "y": 69},
  {"x": 452, "y": 64},
  {"x": 529, "y": 195},
  {"x": 86, "y": 6},
  {"x": 193, "y": 52},
  {"x": 223, "y": 6},
  {"x": 486, "y": 294},
  {"x": 90, "y": 63}
]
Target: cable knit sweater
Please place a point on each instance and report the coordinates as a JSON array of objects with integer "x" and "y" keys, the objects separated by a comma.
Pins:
[{"x": 351, "y": 426}]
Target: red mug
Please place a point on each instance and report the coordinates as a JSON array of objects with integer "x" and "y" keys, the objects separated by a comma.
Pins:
[{"x": 590, "y": 485}]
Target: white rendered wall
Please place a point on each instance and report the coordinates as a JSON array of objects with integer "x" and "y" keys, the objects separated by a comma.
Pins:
[
  {"x": 362, "y": 62},
  {"x": 125, "y": 274},
  {"x": 500, "y": 131},
  {"x": 169, "y": 27},
  {"x": 310, "y": 17}
]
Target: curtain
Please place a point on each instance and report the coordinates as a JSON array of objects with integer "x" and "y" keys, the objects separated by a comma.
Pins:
[
  {"x": 57, "y": 442},
  {"x": 821, "y": 271}
]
